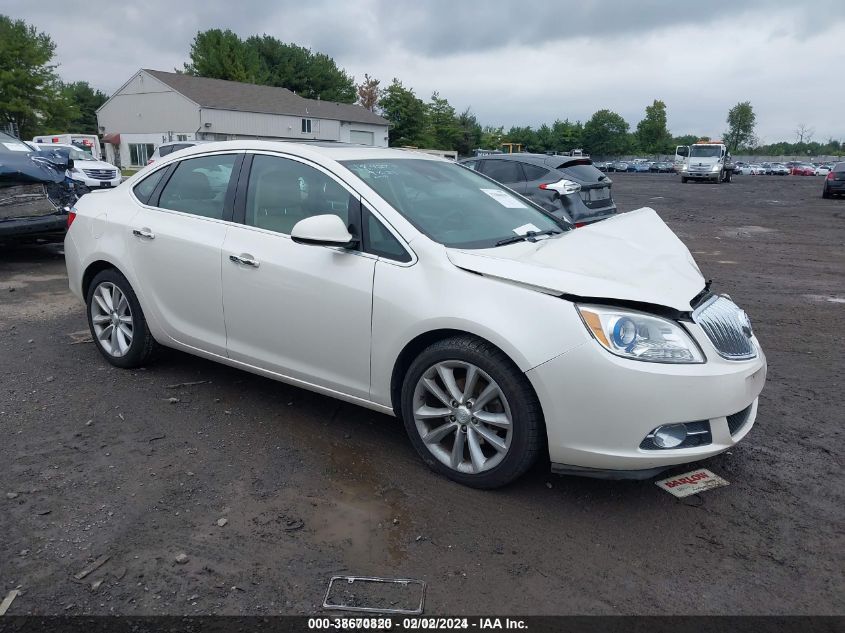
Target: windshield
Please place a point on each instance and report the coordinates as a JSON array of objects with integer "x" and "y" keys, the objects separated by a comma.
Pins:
[
  {"x": 451, "y": 204},
  {"x": 705, "y": 151}
]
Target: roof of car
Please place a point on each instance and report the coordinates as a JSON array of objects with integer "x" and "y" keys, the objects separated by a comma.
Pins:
[{"x": 333, "y": 151}]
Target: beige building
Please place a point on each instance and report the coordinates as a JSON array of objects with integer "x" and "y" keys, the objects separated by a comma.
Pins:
[{"x": 154, "y": 107}]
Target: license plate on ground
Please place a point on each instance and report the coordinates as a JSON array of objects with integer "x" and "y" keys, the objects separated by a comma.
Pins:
[{"x": 691, "y": 483}]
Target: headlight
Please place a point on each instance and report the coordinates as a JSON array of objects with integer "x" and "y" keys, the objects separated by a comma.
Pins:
[
  {"x": 716, "y": 167},
  {"x": 640, "y": 336},
  {"x": 684, "y": 167}
]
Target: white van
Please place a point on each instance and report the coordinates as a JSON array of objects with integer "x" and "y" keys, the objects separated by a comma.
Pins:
[{"x": 86, "y": 142}]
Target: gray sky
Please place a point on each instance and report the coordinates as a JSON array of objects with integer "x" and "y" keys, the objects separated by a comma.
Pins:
[{"x": 514, "y": 62}]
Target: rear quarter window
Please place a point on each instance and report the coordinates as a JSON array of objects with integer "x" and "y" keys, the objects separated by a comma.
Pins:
[
  {"x": 144, "y": 189},
  {"x": 583, "y": 173},
  {"x": 534, "y": 172}
]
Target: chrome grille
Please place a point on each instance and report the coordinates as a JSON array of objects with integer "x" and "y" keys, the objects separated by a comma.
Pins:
[
  {"x": 725, "y": 324},
  {"x": 100, "y": 174}
]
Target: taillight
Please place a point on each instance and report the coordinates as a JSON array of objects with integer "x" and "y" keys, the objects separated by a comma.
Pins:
[
  {"x": 830, "y": 176},
  {"x": 71, "y": 216},
  {"x": 563, "y": 187},
  {"x": 150, "y": 162},
  {"x": 578, "y": 225}
]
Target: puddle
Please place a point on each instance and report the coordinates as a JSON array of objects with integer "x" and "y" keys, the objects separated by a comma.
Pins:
[
  {"x": 825, "y": 298},
  {"x": 747, "y": 231}
]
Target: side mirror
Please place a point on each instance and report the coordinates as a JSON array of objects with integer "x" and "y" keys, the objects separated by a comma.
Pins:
[{"x": 323, "y": 230}]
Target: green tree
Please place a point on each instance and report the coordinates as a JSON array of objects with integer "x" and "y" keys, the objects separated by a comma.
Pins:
[
  {"x": 492, "y": 137},
  {"x": 741, "y": 121},
  {"x": 86, "y": 101},
  {"x": 606, "y": 134},
  {"x": 685, "y": 139},
  {"x": 523, "y": 135},
  {"x": 443, "y": 128},
  {"x": 652, "y": 133},
  {"x": 223, "y": 55},
  {"x": 406, "y": 113},
  {"x": 566, "y": 135},
  {"x": 31, "y": 98},
  {"x": 470, "y": 133},
  {"x": 268, "y": 61}
]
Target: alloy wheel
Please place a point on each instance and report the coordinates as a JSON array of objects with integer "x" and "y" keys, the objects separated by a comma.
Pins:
[
  {"x": 111, "y": 317},
  {"x": 462, "y": 416}
]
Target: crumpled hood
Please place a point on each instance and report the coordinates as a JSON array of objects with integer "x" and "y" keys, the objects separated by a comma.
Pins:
[{"x": 631, "y": 256}]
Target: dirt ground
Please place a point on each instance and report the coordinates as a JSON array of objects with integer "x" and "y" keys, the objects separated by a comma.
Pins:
[{"x": 96, "y": 461}]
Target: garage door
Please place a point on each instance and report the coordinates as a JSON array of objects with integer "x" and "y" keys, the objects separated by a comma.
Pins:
[{"x": 362, "y": 138}]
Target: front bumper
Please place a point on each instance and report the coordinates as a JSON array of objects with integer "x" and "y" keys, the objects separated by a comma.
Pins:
[
  {"x": 94, "y": 183},
  {"x": 700, "y": 175},
  {"x": 599, "y": 407}
]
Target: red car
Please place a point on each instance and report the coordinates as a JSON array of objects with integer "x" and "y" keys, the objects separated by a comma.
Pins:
[{"x": 803, "y": 169}]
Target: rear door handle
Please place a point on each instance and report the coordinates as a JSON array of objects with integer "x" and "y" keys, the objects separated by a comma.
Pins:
[
  {"x": 246, "y": 260},
  {"x": 145, "y": 233}
]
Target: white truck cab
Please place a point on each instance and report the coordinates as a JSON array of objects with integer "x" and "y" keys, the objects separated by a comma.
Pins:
[
  {"x": 708, "y": 161},
  {"x": 86, "y": 142}
]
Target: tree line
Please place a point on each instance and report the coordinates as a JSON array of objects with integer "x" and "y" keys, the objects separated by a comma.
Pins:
[{"x": 34, "y": 100}]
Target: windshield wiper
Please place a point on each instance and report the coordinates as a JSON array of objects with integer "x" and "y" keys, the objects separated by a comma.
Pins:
[{"x": 530, "y": 236}]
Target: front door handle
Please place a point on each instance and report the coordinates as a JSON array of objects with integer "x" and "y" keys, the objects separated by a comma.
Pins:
[
  {"x": 145, "y": 233},
  {"x": 246, "y": 260}
]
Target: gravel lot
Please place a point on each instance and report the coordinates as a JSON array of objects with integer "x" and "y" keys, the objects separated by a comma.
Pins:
[{"x": 98, "y": 461}]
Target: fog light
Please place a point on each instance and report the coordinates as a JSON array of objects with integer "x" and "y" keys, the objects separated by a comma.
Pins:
[{"x": 670, "y": 435}]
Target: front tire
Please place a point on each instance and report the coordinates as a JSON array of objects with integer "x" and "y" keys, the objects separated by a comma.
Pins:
[
  {"x": 471, "y": 414},
  {"x": 117, "y": 322}
]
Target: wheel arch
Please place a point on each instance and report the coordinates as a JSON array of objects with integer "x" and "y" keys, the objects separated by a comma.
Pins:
[
  {"x": 93, "y": 269},
  {"x": 415, "y": 346}
]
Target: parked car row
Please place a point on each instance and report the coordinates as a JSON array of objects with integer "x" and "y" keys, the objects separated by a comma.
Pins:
[
  {"x": 794, "y": 168},
  {"x": 639, "y": 165}
]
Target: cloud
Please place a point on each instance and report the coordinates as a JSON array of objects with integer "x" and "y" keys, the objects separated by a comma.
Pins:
[{"x": 514, "y": 62}]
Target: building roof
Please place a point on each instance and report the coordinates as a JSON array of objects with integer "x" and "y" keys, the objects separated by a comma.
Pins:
[{"x": 241, "y": 97}]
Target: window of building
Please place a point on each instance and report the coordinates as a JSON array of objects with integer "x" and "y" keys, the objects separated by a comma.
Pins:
[
  {"x": 199, "y": 185},
  {"x": 281, "y": 192},
  {"x": 139, "y": 153},
  {"x": 306, "y": 126}
]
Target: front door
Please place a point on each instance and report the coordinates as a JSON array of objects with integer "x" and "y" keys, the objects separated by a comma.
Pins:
[{"x": 298, "y": 310}]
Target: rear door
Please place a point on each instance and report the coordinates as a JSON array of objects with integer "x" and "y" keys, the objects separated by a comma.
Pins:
[
  {"x": 175, "y": 242},
  {"x": 596, "y": 197}
]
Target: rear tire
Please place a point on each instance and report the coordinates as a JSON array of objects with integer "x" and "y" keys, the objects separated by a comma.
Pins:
[
  {"x": 826, "y": 193},
  {"x": 684, "y": 180},
  {"x": 472, "y": 437},
  {"x": 117, "y": 321}
]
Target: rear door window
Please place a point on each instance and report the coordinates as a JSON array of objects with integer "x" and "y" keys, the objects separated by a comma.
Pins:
[
  {"x": 534, "y": 172},
  {"x": 199, "y": 185},
  {"x": 504, "y": 171}
]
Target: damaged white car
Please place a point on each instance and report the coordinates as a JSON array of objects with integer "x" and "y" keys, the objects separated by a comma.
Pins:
[{"x": 416, "y": 287}]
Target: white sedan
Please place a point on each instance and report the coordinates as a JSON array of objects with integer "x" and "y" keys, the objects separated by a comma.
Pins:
[
  {"x": 416, "y": 287},
  {"x": 752, "y": 170}
]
